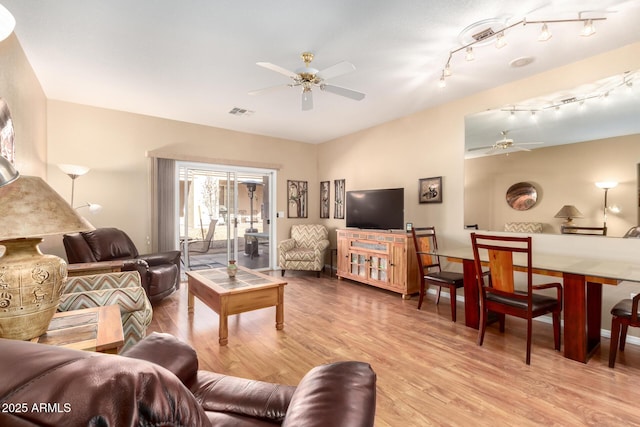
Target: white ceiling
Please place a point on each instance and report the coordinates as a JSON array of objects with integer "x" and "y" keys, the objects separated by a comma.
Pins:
[{"x": 195, "y": 60}]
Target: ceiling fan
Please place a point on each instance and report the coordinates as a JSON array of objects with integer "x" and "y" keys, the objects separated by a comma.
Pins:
[
  {"x": 505, "y": 144},
  {"x": 308, "y": 77}
]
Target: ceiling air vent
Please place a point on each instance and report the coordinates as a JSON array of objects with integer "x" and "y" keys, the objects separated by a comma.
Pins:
[
  {"x": 484, "y": 34},
  {"x": 241, "y": 112}
]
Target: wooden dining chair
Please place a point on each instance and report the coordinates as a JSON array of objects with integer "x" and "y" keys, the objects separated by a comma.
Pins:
[
  {"x": 500, "y": 295},
  {"x": 430, "y": 271},
  {"x": 623, "y": 315}
]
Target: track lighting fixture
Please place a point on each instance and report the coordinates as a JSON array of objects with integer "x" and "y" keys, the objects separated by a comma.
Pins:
[
  {"x": 487, "y": 33},
  {"x": 545, "y": 34},
  {"x": 589, "y": 29},
  {"x": 500, "y": 43},
  {"x": 447, "y": 70},
  {"x": 469, "y": 55},
  {"x": 601, "y": 94}
]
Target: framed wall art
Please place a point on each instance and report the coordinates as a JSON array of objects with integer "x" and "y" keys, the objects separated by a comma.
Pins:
[
  {"x": 297, "y": 196},
  {"x": 338, "y": 210},
  {"x": 325, "y": 192},
  {"x": 430, "y": 190}
]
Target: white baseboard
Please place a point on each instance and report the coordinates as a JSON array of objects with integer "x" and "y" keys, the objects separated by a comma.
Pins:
[{"x": 604, "y": 333}]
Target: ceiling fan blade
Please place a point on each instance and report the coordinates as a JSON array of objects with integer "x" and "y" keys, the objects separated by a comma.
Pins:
[
  {"x": 267, "y": 89},
  {"x": 518, "y": 148},
  {"x": 277, "y": 69},
  {"x": 336, "y": 70},
  {"x": 358, "y": 96},
  {"x": 480, "y": 148},
  {"x": 307, "y": 100},
  {"x": 529, "y": 143}
]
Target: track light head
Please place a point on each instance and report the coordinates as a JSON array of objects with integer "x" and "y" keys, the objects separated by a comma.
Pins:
[
  {"x": 469, "y": 56},
  {"x": 545, "y": 34},
  {"x": 589, "y": 29}
]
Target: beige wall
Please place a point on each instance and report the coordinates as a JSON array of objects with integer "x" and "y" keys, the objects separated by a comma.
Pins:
[
  {"x": 20, "y": 88},
  {"x": 563, "y": 175},
  {"x": 114, "y": 144},
  {"x": 431, "y": 143},
  {"x": 395, "y": 154}
]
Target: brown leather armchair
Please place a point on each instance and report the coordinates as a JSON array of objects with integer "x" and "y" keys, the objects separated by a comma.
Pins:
[
  {"x": 159, "y": 273},
  {"x": 157, "y": 382}
]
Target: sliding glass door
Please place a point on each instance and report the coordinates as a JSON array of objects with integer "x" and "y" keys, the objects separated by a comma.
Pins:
[{"x": 225, "y": 213}]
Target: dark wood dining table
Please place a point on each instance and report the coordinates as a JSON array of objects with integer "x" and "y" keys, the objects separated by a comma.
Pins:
[{"x": 582, "y": 280}]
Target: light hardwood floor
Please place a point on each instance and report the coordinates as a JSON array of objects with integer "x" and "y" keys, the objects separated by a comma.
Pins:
[{"x": 430, "y": 370}]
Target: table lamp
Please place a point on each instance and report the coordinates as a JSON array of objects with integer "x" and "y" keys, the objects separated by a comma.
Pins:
[
  {"x": 31, "y": 282},
  {"x": 569, "y": 212}
]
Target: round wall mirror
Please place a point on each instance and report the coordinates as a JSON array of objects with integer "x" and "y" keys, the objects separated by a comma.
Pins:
[{"x": 522, "y": 196}]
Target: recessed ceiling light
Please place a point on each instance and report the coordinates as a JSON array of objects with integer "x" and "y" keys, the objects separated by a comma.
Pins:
[{"x": 521, "y": 62}]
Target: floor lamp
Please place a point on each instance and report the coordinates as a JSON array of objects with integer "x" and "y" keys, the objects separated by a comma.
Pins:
[
  {"x": 74, "y": 171},
  {"x": 606, "y": 186}
]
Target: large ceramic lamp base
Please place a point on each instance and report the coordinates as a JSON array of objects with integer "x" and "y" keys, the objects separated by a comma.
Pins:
[{"x": 30, "y": 288}]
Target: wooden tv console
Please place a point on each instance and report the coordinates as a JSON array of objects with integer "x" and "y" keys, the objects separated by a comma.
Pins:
[{"x": 383, "y": 259}]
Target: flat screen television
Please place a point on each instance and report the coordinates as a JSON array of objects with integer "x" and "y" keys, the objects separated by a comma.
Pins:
[{"x": 376, "y": 209}]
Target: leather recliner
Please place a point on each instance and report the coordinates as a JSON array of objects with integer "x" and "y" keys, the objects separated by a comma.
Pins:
[
  {"x": 157, "y": 383},
  {"x": 159, "y": 273}
]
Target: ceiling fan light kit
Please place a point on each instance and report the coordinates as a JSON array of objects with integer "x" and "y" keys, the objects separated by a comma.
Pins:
[
  {"x": 505, "y": 145},
  {"x": 495, "y": 30},
  {"x": 308, "y": 77}
]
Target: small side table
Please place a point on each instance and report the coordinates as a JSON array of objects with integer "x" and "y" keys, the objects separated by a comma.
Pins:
[{"x": 91, "y": 329}]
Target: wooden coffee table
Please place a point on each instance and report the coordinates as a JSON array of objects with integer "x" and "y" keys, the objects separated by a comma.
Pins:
[
  {"x": 92, "y": 329},
  {"x": 249, "y": 290}
]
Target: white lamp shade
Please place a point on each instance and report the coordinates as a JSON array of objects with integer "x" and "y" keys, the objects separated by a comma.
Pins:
[
  {"x": 606, "y": 184},
  {"x": 75, "y": 170},
  {"x": 7, "y": 23}
]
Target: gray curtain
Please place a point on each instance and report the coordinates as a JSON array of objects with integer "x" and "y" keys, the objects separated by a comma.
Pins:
[{"x": 165, "y": 196}]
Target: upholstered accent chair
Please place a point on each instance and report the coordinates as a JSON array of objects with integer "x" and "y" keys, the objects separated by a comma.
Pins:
[
  {"x": 123, "y": 289},
  {"x": 523, "y": 227},
  {"x": 306, "y": 248},
  {"x": 159, "y": 272}
]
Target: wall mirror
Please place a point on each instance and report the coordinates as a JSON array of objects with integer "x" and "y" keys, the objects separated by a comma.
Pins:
[{"x": 562, "y": 143}]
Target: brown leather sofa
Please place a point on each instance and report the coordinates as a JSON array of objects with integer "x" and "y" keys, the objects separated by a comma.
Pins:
[
  {"x": 160, "y": 273},
  {"x": 157, "y": 383}
]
